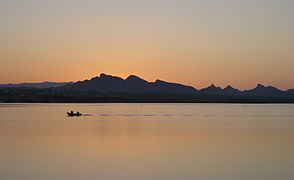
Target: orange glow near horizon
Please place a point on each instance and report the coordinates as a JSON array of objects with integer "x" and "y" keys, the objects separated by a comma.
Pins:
[{"x": 194, "y": 43}]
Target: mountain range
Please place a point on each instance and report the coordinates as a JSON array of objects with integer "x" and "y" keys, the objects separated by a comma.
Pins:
[
  {"x": 107, "y": 88},
  {"x": 41, "y": 85},
  {"x": 133, "y": 84}
]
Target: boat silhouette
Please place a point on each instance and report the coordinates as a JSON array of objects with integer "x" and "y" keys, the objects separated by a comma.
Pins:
[{"x": 72, "y": 114}]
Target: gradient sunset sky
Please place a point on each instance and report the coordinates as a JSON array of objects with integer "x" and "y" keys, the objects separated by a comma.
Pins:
[{"x": 195, "y": 42}]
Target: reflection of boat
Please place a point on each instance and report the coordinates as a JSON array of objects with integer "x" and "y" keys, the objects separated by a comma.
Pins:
[{"x": 71, "y": 114}]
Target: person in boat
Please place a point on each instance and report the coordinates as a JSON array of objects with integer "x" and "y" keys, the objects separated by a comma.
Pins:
[{"x": 71, "y": 113}]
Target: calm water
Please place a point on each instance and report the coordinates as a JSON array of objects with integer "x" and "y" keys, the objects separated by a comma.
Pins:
[{"x": 147, "y": 142}]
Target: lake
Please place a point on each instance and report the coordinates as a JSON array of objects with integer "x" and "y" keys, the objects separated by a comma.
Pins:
[{"x": 147, "y": 142}]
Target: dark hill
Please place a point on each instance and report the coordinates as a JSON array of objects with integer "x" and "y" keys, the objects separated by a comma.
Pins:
[
  {"x": 263, "y": 91},
  {"x": 211, "y": 90},
  {"x": 229, "y": 90},
  {"x": 133, "y": 84},
  {"x": 42, "y": 85}
]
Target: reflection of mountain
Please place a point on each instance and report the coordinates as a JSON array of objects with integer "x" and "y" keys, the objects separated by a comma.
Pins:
[
  {"x": 106, "y": 88},
  {"x": 133, "y": 84}
]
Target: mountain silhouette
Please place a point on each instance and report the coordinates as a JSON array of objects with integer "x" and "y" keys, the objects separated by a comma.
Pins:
[
  {"x": 229, "y": 90},
  {"x": 211, "y": 90},
  {"x": 268, "y": 91},
  {"x": 290, "y": 93},
  {"x": 133, "y": 84},
  {"x": 41, "y": 85},
  {"x": 108, "y": 88}
]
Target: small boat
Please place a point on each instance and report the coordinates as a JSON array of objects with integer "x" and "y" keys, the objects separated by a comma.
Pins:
[{"x": 72, "y": 114}]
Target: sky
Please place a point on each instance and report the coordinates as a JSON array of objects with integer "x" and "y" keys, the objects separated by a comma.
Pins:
[{"x": 195, "y": 42}]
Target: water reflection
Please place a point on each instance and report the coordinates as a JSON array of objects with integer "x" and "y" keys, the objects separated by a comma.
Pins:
[{"x": 149, "y": 141}]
